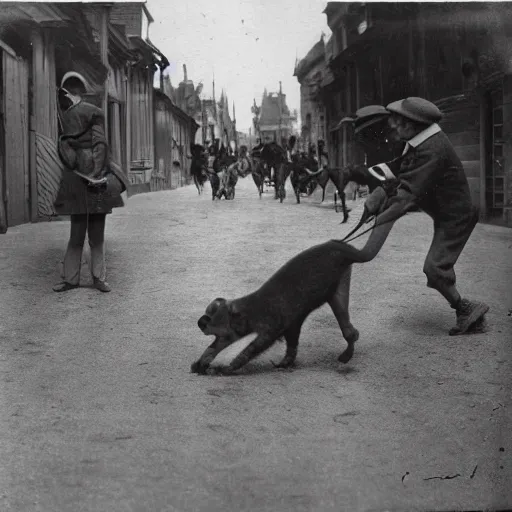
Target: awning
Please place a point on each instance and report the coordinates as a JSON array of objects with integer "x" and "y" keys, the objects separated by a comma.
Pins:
[{"x": 151, "y": 51}]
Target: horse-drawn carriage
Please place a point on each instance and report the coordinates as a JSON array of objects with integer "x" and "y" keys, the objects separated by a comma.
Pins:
[{"x": 272, "y": 166}]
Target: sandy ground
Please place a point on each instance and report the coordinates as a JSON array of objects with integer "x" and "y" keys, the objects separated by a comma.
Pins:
[{"x": 100, "y": 413}]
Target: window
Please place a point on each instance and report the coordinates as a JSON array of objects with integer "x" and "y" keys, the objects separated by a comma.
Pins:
[
  {"x": 114, "y": 131},
  {"x": 308, "y": 122}
]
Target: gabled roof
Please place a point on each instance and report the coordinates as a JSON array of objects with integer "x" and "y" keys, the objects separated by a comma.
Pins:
[
  {"x": 314, "y": 56},
  {"x": 271, "y": 111},
  {"x": 174, "y": 108}
]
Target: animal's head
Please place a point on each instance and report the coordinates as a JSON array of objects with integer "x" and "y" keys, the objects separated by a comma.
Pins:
[{"x": 222, "y": 319}]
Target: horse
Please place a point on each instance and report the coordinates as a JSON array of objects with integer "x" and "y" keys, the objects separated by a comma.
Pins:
[
  {"x": 274, "y": 156},
  {"x": 227, "y": 178},
  {"x": 341, "y": 176},
  {"x": 303, "y": 166},
  {"x": 198, "y": 166}
]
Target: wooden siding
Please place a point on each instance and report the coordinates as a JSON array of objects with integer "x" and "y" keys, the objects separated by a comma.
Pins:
[
  {"x": 163, "y": 144},
  {"x": 3, "y": 213},
  {"x": 462, "y": 126},
  {"x": 45, "y": 164},
  {"x": 173, "y": 135},
  {"x": 129, "y": 15},
  {"x": 142, "y": 154},
  {"x": 49, "y": 171},
  {"x": 15, "y": 96}
]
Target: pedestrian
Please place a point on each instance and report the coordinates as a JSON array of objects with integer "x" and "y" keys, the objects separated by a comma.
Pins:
[
  {"x": 430, "y": 174},
  {"x": 84, "y": 148}
]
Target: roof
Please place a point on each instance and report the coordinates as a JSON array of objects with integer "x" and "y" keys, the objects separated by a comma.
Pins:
[
  {"x": 315, "y": 55},
  {"x": 172, "y": 107},
  {"x": 150, "y": 51}
]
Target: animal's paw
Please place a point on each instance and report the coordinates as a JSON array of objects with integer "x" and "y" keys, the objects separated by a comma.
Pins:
[
  {"x": 199, "y": 367},
  {"x": 346, "y": 356}
]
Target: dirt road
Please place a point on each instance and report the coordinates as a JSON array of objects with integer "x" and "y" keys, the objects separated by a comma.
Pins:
[{"x": 100, "y": 413}]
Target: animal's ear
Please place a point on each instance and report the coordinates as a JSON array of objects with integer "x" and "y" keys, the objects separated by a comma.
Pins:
[
  {"x": 237, "y": 319},
  {"x": 214, "y": 306}
]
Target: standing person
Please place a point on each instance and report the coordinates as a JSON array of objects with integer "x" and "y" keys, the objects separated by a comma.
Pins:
[
  {"x": 430, "y": 175},
  {"x": 83, "y": 147}
]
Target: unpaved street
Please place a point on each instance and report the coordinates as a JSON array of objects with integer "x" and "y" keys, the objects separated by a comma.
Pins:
[{"x": 100, "y": 413}]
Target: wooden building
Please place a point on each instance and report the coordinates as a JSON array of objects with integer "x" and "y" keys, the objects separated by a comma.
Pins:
[
  {"x": 456, "y": 55},
  {"x": 145, "y": 62},
  {"x": 174, "y": 132},
  {"x": 39, "y": 43}
]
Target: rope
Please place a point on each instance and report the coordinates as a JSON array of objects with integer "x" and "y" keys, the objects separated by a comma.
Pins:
[{"x": 393, "y": 219}]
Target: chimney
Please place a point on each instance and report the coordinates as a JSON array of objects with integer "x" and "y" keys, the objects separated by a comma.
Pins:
[{"x": 184, "y": 72}]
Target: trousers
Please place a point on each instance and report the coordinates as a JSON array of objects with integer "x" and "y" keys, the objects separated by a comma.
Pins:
[
  {"x": 94, "y": 226},
  {"x": 447, "y": 244}
]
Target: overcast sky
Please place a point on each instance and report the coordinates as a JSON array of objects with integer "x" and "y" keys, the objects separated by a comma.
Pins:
[{"x": 249, "y": 44}]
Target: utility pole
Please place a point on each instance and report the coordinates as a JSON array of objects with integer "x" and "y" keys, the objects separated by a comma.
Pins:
[
  {"x": 234, "y": 127},
  {"x": 280, "y": 112},
  {"x": 105, "y": 21}
]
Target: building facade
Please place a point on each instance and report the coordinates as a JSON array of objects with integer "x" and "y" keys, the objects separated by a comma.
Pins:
[
  {"x": 108, "y": 45},
  {"x": 310, "y": 71},
  {"x": 456, "y": 55},
  {"x": 273, "y": 120},
  {"x": 175, "y": 130}
]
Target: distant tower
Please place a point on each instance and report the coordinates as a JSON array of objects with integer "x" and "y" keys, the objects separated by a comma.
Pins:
[
  {"x": 280, "y": 103},
  {"x": 234, "y": 127},
  {"x": 214, "y": 102}
]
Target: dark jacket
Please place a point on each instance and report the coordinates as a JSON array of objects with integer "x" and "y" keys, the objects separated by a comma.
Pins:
[
  {"x": 432, "y": 174},
  {"x": 83, "y": 146}
]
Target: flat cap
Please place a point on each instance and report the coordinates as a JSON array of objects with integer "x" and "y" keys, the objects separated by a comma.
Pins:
[
  {"x": 416, "y": 109},
  {"x": 371, "y": 110},
  {"x": 368, "y": 116}
]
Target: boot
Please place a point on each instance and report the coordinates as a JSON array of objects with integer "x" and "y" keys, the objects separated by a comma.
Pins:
[
  {"x": 102, "y": 286},
  {"x": 470, "y": 315}
]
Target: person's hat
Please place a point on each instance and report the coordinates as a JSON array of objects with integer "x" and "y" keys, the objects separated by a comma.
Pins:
[
  {"x": 416, "y": 109},
  {"x": 368, "y": 116},
  {"x": 370, "y": 111},
  {"x": 73, "y": 74}
]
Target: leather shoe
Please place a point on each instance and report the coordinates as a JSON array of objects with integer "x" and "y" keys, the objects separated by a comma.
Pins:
[
  {"x": 102, "y": 286},
  {"x": 64, "y": 287}
]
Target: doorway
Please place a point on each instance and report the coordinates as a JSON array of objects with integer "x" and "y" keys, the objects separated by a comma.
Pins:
[{"x": 495, "y": 168}]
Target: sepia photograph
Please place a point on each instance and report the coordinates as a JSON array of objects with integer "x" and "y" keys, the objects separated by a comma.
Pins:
[{"x": 255, "y": 256}]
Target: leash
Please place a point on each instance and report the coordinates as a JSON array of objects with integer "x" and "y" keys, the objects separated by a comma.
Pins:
[
  {"x": 393, "y": 219},
  {"x": 362, "y": 221}
]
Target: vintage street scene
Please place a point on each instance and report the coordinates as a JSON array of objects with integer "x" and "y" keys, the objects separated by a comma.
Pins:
[{"x": 255, "y": 256}]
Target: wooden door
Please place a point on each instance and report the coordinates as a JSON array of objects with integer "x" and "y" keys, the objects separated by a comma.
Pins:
[{"x": 16, "y": 138}]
